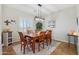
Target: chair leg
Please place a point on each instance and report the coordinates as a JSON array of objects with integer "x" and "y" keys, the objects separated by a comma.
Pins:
[
  {"x": 38, "y": 46},
  {"x": 24, "y": 50},
  {"x": 21, "y": 47},
  {"x": 47, "y": 42},
  {"x": 27, "y": 46},
  {"x": 50, "y": 40},
  {"x": 43, "y": 45}
]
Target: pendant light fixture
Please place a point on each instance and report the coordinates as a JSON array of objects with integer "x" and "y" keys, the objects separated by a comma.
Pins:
[{"x": 39, "y": 16}]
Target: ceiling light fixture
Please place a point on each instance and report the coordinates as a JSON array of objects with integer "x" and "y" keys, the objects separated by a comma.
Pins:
[{"x": 39, "y": 16}]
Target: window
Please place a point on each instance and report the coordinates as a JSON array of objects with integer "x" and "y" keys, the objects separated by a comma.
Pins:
[{"x": 25, "y": 23}]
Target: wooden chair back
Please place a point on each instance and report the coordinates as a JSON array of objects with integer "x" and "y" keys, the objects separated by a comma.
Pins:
[
  {"x": 21, "y": 37},
  {"x": 48, "y": 36},
  {"x": 42, "y": 36},
  {"x": 29, "y": 39},
  {"x": 48, "y": 33}
]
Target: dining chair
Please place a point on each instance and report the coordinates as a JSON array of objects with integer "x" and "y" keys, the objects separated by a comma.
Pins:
[
  {"x": 23, "y": 40},
  {"x": 29, "y": 40},
  {"x": 45, "y": 37},
  {"x": 41, "y": 40},
  {"x": 48, "y": 36}
]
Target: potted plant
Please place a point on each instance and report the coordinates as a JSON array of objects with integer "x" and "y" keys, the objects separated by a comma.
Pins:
[{"x": 38, "y": 26}]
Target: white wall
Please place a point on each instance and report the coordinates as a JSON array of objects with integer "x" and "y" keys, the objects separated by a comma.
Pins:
[
  {"x": 0, "y": 28},
  {"x": 14, "y": 14},
  {"x": 65, "y": 21}
]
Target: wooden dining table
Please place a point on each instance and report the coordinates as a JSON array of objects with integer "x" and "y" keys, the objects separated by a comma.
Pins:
[{"x": 34, "y": 38}]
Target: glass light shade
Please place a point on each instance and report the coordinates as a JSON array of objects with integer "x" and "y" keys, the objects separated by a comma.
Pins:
[
  {"x": 75, "y": 33},
  {"x": 39, "y": 18}
]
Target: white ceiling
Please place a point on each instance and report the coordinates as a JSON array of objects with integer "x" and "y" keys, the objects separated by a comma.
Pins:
[{"x": 46, "y": 9}]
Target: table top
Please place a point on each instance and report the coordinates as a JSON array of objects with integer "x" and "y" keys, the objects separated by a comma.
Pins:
[
  {"x": 32, "y": 34},
  {"x": 72, "y": 35}
]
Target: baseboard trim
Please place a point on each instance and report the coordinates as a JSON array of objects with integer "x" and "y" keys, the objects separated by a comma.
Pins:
[{"x": 61, "y": 40}]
